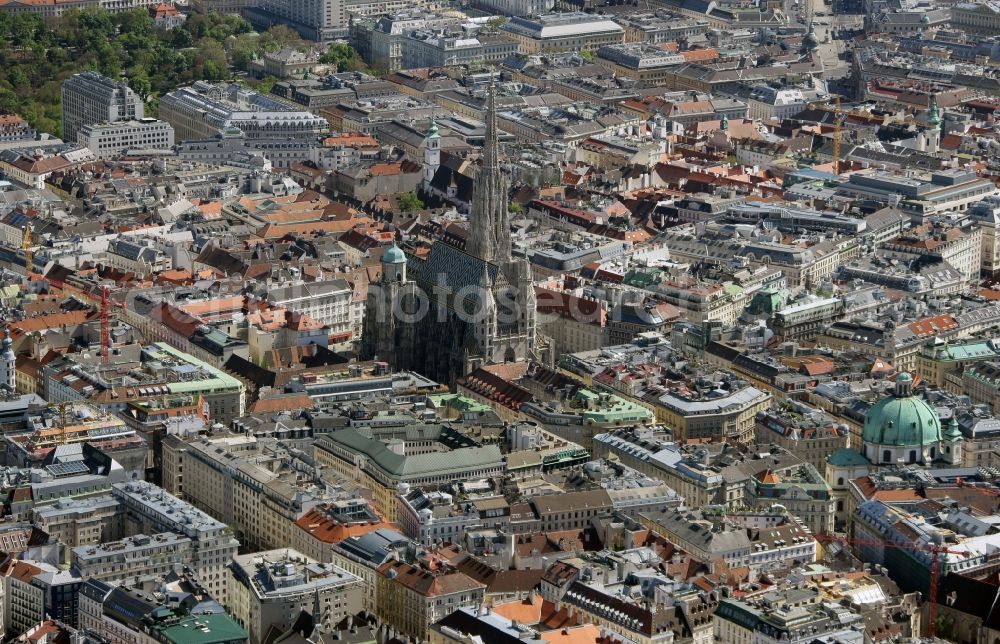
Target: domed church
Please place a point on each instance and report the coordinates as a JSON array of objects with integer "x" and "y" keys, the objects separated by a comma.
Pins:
[
  {"x": 899, "y": 429},
  {"x": 903, "y": 428}
]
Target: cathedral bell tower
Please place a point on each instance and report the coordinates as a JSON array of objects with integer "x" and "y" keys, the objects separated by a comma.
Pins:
[
  {"x": 8, "y": 368},
  {"x": 432, "y": 153}
]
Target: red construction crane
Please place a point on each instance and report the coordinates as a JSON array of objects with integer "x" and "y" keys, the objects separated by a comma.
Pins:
[
  {"x": 105, "y": 327},
  {"x": 933, "y": 549}
]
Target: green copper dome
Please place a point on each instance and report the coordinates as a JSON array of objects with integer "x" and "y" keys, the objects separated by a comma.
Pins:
[
  {"x": 902, "y": 419},
  {"x": 393, "y": 255}
]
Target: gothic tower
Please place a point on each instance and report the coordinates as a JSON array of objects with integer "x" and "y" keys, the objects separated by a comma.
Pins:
[{"x": 489, "y": 234}]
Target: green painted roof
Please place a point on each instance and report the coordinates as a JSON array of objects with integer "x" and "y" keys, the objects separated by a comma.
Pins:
[
  {"x": 901, "y": 419},
  {"x": 952, "y": 433},
  {"x": 459, "y": 402},
  {"x": 393, "y": 255},
  {"x": 846, "y": 457},
  {"x": 220, "y": 380},
  {"x": 612, "y": 410},
  {"x": 964, "y": 351},
  {"x": 401, "y": 467},
  {"x": 215, "y": 628}
]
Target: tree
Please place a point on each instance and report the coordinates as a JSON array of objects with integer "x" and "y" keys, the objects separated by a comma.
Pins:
[
  {"x": 343, "y": 56},
  {"x": 140, "y": 85},
  {"x": 280, "y": 36},
  {"x": 210, "y": 61},
  {"x": 265, "y": 84},
  {"x": 410, "y": 202},
  {"x": 39, "y": 54},
  {"x": 515, "y": 208},
  {"x": 243, "y": 49},
  {"x": 587, "y": 54}
]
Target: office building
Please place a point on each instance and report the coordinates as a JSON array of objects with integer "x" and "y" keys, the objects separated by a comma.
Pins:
[
  {"x": 435, "y": 48},
  {"x": 110, "y": 140},
  {"x": 557, "y": 32},
  {"x": 207, "y": 110},
  {"x": 382, "y": 466},
  {"x": 516, "y": 7},
  {"x": 362, "y": 556},
  {"x": 90, "y": 99},
  {"x": 320, "y": 20},
  {"x": 23, "y": 602},
  {"x": 80, "y": 522},
  {"x": 328, "y": 302},
  {"x": 946, "y": 190}
]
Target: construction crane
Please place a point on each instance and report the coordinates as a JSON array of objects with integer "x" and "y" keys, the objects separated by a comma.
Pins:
[
  {"x": 107, "y": 304},
  {"x": 26, "y": 247},
  {"x": 105, "y": 327},
  {"x": 934, "y": 550},
  {"x": 836, "y": 136},
  {"x": 104, "y": 305}
]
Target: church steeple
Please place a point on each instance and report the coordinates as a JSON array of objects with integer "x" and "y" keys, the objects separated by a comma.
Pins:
[
  {"x": 933, "y": 116},
  {"x": 489, "y": 234},
  {"x": 8, "y": 369}
]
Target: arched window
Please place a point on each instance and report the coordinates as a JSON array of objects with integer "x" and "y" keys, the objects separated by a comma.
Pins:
[
  {"x": 840, "y": 480},
  {"x": 933, "y": 453},
  {"x": 886, "y": 456},
  {"x": 913, "y": 456}
]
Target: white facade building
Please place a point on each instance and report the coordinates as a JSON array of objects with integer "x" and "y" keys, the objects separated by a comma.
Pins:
[
  {"x": 110, "y": 140},
  {"x": 329, "y": 302},
  {"x": 516, "y": 7},
  {"x": 89, "y": 98}
]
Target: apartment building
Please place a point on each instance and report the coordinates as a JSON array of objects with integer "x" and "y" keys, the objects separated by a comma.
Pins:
[
  {"x": 131, "y": 557},
  {"x": 809, "y": 433},
  {"x": 80, "y": 522},
  {"x": 55, "y": 9},
  {"x": 268, "y": 590},
  {"x": 412, "y": 598},
  {"x": 150, "y": 509}
]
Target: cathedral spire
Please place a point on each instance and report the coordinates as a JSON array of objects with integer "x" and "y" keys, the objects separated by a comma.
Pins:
[{"x": 489, "y": 234}]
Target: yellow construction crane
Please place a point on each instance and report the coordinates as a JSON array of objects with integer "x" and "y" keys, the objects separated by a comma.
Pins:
[
  {"x": 836, "y": 136},
  {"x": 26, "y": 247}
]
